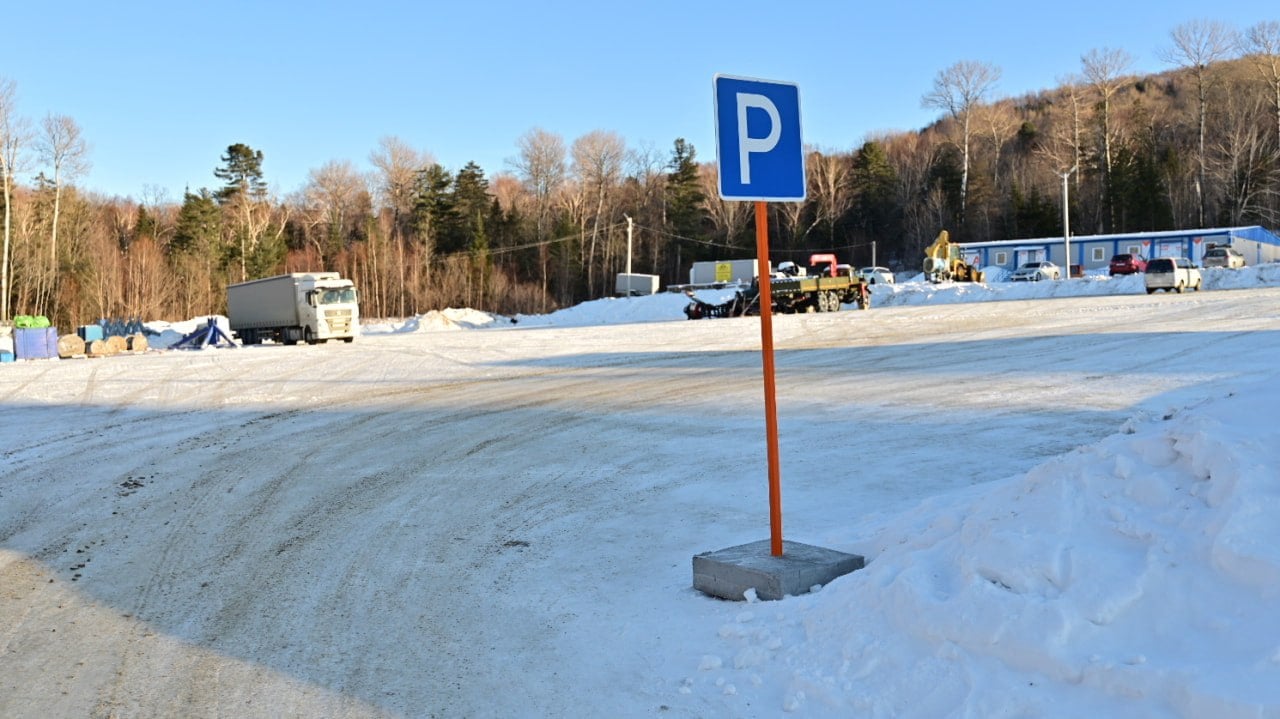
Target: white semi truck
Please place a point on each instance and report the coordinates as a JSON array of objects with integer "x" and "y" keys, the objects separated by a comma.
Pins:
[{"x": 303, "y": 306}]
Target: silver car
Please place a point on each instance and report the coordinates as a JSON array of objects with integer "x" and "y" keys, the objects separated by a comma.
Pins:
[
  {"x": 875, "y": 275},
  {"x": 1228, "y": 257},
  {"x": 1034, "y": 271}
]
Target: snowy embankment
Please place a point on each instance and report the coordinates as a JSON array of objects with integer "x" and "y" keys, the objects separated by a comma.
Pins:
[{"x": 1134, "y": 577}]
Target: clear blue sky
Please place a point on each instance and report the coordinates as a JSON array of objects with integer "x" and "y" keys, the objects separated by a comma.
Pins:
[{"x": 161, "y": 89}]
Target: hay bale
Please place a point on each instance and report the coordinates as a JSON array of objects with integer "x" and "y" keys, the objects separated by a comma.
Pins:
[
  {"x": 137, "y": 342},
  {"x": 118, "y": 344},
  {"x": 99, "y": 348},
  {"x": 70, "y": 346}
]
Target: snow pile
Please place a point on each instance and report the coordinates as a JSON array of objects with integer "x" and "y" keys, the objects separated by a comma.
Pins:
[
  {"x": 613, "y": 310},
  {"x": 432, "y": 321},
  {"x": 1220, "y": 278},
  {"x": 1135, "y": 577}
]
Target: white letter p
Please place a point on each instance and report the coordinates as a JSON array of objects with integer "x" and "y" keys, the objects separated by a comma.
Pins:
[{"x": 748, "y": 144}]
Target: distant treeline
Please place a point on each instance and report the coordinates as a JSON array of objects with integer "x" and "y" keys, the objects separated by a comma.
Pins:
[{"x": 1195, "y": 146}]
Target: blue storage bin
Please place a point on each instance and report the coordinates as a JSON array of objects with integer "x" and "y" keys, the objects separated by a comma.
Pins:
[
  {"x": 6, "y": 357},
  {"x": 35, "y": 343},
  {"x": 89, "y": 333}
]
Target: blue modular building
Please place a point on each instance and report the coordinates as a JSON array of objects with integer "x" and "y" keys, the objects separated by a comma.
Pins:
[{"x": 1091, "y": 252}]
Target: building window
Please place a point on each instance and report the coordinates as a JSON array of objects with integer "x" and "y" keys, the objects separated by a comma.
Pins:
[
  {"x": 1099, "y": 254},
  {"x": 1002, "y": 258},
  {"x": 1134, "y": 250}
]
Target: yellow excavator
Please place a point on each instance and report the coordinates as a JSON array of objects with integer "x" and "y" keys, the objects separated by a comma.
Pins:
[{"x": 942, "y": 262}]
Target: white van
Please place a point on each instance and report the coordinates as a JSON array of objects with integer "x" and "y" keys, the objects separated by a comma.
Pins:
[{"x": 1172, "y": 273}]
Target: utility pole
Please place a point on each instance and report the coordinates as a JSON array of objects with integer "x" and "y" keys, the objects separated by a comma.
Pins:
[
  {"x": 1066, "y": 220},
  {"x": 873, "y": 253},
  {"x": 629, "y": 226}
]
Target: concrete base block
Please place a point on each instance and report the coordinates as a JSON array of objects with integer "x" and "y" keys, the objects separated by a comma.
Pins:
[{"x": 729, "y": 573}]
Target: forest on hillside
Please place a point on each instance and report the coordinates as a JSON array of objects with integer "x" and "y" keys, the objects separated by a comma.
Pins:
[{"x": 1195, "y": 146}]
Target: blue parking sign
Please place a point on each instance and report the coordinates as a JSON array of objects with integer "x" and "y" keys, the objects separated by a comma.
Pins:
[{"x": 758, "y": 149}]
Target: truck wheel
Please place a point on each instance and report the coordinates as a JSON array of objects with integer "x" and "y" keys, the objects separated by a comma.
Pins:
[
  {"x": 1178, "y": 288},
  {"x": 307, "y": 336},
  {"x": 833, "y": 301}
]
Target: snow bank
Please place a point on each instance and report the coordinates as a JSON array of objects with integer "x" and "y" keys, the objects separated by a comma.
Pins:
[
  {"x": 433, "y": 321},
  {"x": 661, "y": 307},
  {"x": 1135, "y": 577}
]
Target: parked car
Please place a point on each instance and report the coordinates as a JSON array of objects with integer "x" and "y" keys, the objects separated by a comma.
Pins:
[
  {"x": 1034, "y": 271},
  {"x": 875, "y": 275},
  {"x": 1228, "y": 257},
  {"x": 1172, "y": 273},
  {"x": 1127, "y": 264}
]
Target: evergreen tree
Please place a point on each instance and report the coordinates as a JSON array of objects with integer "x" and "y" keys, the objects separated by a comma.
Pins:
[
  {"x": 199, "y": 223},
  {"x": 1034, "y": 214},
  {"x": 470, "y": 208},
  {"x": 875, "y": 210},
  {"x": 242, "y": 172},
  {"x": 144, "y": 225},
  {"x": 267, "y": 255},
  {"x": 433, "y": 210},
  {"x": 1138, "y": 192},
  {"x": 684, "y": 196}
]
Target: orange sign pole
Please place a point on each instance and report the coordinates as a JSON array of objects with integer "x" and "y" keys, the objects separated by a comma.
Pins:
[{"x": 770, "y": 393}]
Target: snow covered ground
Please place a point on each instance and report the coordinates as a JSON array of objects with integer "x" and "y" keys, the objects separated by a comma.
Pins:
[{"x": 1066, "y": 498}]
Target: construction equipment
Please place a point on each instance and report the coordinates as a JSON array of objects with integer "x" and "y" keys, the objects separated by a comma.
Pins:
[
  {"x": 824, "y": 288},
  {"x": 943, "y": 262},
  {"x": 207, "y": 334}
]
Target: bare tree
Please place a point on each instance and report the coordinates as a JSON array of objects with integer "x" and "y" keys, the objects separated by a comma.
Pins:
[
  {"x": 1072, "y": 86},
  {"x": 1244, "y": 164},
  {"x": 998, "y": 123},
  {"x": 509, "y": 192},
  {"x": 1105, "y": 70},
  {"x": 730, "y": 217},
  {"x": 1198, "y": 44},
  {"x": 398, "y": 166},
  {"x": 958, "y": 90},
  {"x": 334, "y": 190},
  {"x": 14, "y": 134},
  {"x": 831, "y": 186},
  {"x": 597, "y": 163},
  {"x": 647, "y": 165},
  {"x": 1262, "y": 44},
  {"x": 541, "y": 165},
  {"x": 63, "y": 148},
  {"x": 910, "y": 156}
]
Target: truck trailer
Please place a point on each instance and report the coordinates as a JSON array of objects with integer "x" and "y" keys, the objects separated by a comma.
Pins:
[{"x": 302, "y": 306}]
